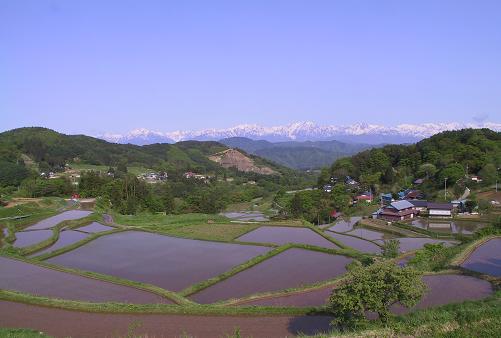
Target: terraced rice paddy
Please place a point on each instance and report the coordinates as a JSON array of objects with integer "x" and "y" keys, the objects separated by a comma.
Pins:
[
  {"x": 283, "y": 235},
  {"x": 95, "y": 227},
  {"x": 447, "y": 289},
  {"x": 441, "y": 290},
  {"x": 486, "y": 258},
  {"x": 291, "y": 268},
  {"x": 54, "y": 220},
  {"x": 168, "y": 262},
  {"x": 25, "y": 277},
  {"x": 246, "y": 216},
  {"x": 27, "y": 238},
  {"x": 463, "y": 227},
  {"x": 415, "y": 243},
  {"x": 356, "y": 243},
  {"x": 66, "y": 237},
  {"x": 345, "y": 225},
  {"x": 369, "y": 234}
]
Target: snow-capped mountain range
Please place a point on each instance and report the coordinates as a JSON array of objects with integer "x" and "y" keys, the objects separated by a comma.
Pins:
[{"x": 300, "y": 131}]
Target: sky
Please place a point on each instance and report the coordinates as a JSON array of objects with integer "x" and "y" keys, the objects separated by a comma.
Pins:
[{"x": 96, "y": 66}]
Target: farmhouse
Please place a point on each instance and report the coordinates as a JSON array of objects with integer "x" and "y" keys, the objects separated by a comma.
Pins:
[
  {"x": 397, "y": 211},
  {"x": 419, "y": 205},
  {"x": 440, "y": 209}
]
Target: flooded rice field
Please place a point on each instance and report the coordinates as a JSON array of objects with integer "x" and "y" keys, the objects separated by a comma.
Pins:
[
  {"x": 291, "y": 268},
  {"x": 442, "y": 289},
  {"x": 168, "y": 262},
  {"x": 66, "y": 238},
  {"x": 54, "y": 220},
  {"x": 356, "y": 243},
  {"x": 95, "y": 227},
  {"x": 447, "y": 289},
  {"x": 486, "y": 258},
  {"x": 27, "y": 238},
  {"x": 463, "y": 227},
  {"x": 415, "y": 243},
  {"x": 29, "y": 278},
  {"x": 369, "y": 234},
  {"x": 345, "y": 225},
  {"x": 282, "y": 235},
  {"x": 246, "y": 216}
]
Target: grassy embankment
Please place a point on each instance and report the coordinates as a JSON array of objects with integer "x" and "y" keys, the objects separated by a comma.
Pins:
[
  {"x": 468, "y": 319},
  {"x": 21, "y": 333}
]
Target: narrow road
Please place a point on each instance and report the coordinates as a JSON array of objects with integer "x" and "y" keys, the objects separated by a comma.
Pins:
[{"x": 64, "y": 323}]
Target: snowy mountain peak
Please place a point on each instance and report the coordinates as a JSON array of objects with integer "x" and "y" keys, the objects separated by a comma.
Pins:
[{"x": 301, "y": 131}]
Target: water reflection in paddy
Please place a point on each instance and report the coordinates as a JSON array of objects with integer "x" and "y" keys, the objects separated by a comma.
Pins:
[
  {"x": 345, "y": 225},
  {"x": 66, "y": 238},
  {"x": 171, "y": 263},
  {"x": 464, "y": 227},
  {"x": 25, "y": 277},
  {"x": 54, "y": 220},
  {"x": 356, "y": 243},
  {"x": 27, "y": 238},
  {"x": 95, "y": 227},
  {"x": 283, "y": 235},
  {"x": 486, "y": 258},
  {"x": 290, "y": 268}
]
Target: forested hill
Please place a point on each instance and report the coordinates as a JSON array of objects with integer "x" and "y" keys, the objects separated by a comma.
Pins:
[
  {"x": 53, "y": 149},
  {"x": 455, "y": 155},
  {"x": 297, "y": 155}
]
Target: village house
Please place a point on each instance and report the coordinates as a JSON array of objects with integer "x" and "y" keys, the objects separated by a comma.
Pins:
[
  {"x": 440, "y": 209},
  {"x": 419, "y": 205},
  {"x": 364, "y": 197},
  {"x": 397, "y": 211}
]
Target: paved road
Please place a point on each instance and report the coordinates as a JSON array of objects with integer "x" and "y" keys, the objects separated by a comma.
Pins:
[{"x": 63, "y": 323}]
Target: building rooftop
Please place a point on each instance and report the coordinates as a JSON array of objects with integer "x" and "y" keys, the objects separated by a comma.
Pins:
[{"x": 400, "y": 205}]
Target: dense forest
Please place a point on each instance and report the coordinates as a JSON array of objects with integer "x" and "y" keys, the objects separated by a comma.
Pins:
[
  {"x": 26, "y": 153},
  {"x": 452, "y": 155}
]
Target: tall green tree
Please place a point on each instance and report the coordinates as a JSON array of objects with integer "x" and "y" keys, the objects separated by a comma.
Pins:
[{"x": 374, "y": 288}]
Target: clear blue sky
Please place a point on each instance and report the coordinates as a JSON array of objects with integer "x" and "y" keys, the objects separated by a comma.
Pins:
[{"x": 91, "y": 66}]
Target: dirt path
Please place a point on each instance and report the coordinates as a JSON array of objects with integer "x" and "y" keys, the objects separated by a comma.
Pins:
[{"x": 63, "y": 323}]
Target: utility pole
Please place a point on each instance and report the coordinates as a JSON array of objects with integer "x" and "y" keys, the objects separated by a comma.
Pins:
[
  {"x": 497, "y": 174},
  {"x": 445, "y": 188}
]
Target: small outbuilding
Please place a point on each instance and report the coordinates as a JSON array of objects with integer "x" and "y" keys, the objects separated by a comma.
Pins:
[{"x": 440, "y": 209}]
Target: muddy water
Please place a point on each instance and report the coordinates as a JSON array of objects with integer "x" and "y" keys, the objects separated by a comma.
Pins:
[
  {"x": 171, "y": 263},
  {"x": 409, "y": 244},
  {"x": 486, "y": 259},
  {"x": 64, "y": 323},
  {"x": 288, "y": 269},
  {"x": 345, "y": 225},
  {"x": 95, "y": 227},
  {"x": 283, "y": 235},
  {"x": 27, "y": 238},
  {"x": 464, "y": 227},
  {"x": 356, "y": 243},
  {"x": 446, "y": 289},
  {"x": 25, "y": 277},
  {"x": 369, "y": 234},
  {"x": 66, "y": 238},
  {"x": 54, "y": 220}
]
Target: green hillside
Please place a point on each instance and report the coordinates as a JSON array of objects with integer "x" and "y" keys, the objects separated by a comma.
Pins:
[{"x": 455, "y": 155}]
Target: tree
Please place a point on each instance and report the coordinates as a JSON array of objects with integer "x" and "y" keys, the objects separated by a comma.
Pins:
[
  {"x": 488, "y": 173},
  {"x": 391, "y": 248},
  {"x": 427, "y": 169},
  {"x": 374, "y": 288},
  {"x": 453, "y": 173},
  {"x": 470, "y": 205}
]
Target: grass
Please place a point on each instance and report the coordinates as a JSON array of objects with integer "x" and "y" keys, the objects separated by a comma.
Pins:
[
  {"x": 21, "y": 333},
  {"x": 468, "y": 319},
  {"x": 161, "y": 221},
  {"x": 217, "y": 232},
  {"x": 135, "y": 170}
]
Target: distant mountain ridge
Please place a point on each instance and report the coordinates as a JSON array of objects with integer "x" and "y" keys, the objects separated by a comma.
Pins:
[
  {"x": 297, "y": 155},
  {"x": 301, "y": 131}
]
